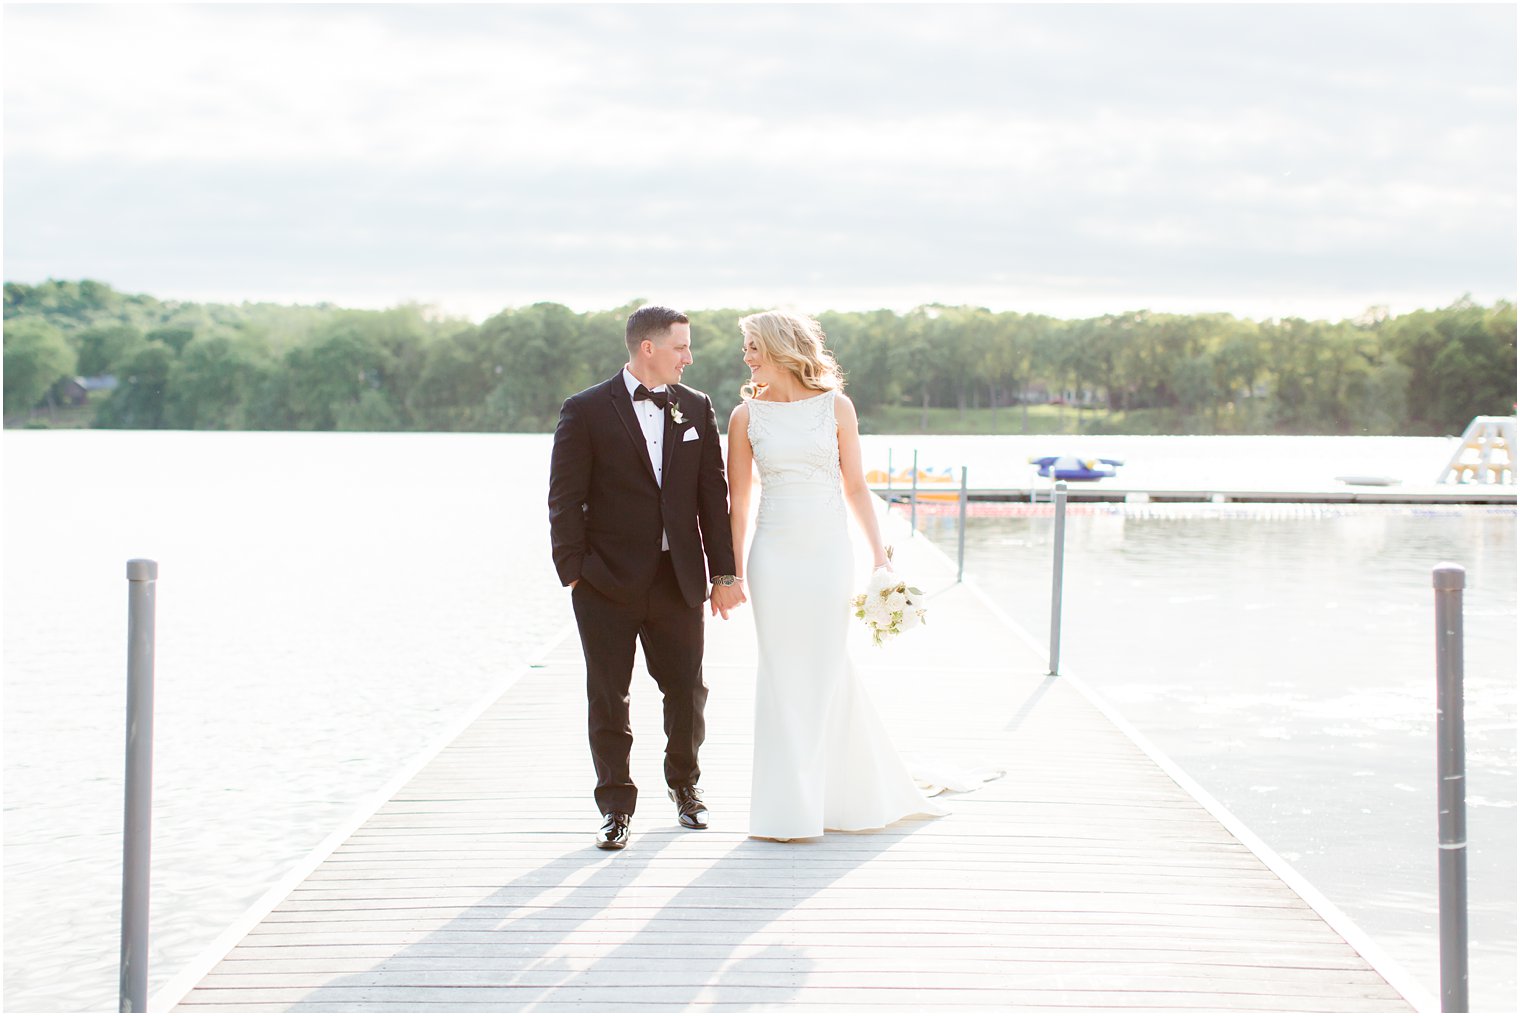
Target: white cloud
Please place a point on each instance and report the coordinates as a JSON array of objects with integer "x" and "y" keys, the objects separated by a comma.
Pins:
[
  {"x": 263, "y": 84},
  {"x": 1196, "y": 153}
]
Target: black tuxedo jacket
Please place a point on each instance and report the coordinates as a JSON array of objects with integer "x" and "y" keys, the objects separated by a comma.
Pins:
[{"x": 605, "y": 510}]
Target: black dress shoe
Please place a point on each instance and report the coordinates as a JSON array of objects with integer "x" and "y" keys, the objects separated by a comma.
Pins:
[
  {"x": 689, "y": 807},
  {"x": 614, "y": 831}
]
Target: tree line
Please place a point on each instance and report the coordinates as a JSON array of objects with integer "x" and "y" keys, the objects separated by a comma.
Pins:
[{"x": 275, "y": 367}]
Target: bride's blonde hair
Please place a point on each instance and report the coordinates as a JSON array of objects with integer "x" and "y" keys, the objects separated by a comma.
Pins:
[{"x": 795, "y": 342}]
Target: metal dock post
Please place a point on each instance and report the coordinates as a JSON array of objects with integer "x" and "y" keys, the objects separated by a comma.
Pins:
[
  {"x": 913, "y": 498},
  {"x": 1057, "y": 575},
  {"x": 960, "y": 553},
  {"x": 137, "y": 824},
  {"x": 1451, "y": 797}
]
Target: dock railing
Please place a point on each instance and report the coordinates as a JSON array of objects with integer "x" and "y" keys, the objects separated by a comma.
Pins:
[
  {"x": 1449, "y": 581},
  {"x": 1058, "y": 498}
]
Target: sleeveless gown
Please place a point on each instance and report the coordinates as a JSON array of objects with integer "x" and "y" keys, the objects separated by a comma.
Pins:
[{"x": 822, "y": 759}]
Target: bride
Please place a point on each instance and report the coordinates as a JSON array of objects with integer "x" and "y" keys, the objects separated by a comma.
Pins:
[{"x": 822, "y": 758}]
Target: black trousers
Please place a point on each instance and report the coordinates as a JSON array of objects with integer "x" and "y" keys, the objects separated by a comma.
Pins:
[{"x": 670, "y": 630}]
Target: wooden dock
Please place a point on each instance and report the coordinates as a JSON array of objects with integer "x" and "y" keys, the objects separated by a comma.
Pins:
[{"x": 1087, "y": 877}]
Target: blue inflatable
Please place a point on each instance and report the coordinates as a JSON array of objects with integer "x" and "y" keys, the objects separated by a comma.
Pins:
[{"x": 1069, "y": 467}]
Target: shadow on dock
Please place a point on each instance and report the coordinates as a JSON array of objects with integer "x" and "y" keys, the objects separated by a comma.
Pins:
[{"x": 518, "y": 946}]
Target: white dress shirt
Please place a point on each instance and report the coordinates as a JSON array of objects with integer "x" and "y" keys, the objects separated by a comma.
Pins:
[{"x": 652, "y": 422}]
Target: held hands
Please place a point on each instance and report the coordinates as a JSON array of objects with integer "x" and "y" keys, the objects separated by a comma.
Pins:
[{"x": 726, "y": 598}]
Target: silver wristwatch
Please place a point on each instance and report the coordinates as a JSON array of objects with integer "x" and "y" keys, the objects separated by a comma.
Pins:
[{"x": 724, "y": 580}]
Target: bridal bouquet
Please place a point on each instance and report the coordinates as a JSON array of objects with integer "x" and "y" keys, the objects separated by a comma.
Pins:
[{"x": 889, "y": 606}]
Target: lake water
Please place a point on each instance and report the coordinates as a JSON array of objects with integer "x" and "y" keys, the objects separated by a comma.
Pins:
[{"x": 329, "y": 603}]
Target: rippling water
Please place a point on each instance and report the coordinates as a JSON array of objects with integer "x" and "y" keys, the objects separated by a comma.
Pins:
[{"x": 329, "y": 603}]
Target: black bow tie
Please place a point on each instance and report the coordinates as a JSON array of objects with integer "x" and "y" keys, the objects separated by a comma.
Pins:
[{"x": 658, "y": 398}]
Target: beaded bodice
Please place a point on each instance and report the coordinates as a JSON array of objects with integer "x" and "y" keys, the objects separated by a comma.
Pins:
[{"x": 796, "y": 449}]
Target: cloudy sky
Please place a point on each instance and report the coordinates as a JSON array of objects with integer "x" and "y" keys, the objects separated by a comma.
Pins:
[{"x": 1068, "y": 159}]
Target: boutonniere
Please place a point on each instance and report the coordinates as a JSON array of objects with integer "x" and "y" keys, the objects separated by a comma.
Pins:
[{"x": 675, "y": 414}]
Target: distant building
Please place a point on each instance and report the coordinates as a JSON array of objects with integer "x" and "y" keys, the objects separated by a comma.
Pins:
[
  {"x": 99, "y": 383},
  {"x": 75, "y": 391},
  {"x": 70, "y": 392}
]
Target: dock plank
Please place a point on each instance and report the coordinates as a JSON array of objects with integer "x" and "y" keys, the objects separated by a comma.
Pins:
[{"x": 1085, "y": 878}]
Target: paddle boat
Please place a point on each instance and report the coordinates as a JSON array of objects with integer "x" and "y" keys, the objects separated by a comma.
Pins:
[
  {"x": 1069, "y": 467},
  {"x": 933, "y": 484}
]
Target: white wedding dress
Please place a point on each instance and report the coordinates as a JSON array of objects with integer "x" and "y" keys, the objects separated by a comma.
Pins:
[{"x": 822, "y": 758}]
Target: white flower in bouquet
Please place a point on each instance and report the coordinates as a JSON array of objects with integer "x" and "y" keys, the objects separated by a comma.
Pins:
[
  {"x": 889, "y": 606},
  {"x": 883, "y": 580},
  {"x": 877, "y": 614}
]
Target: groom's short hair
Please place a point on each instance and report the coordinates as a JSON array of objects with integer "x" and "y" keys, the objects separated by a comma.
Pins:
[{"x": 651, "y": 323}]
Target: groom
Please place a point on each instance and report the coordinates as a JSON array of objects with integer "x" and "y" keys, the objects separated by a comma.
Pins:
[{"x": 638, "y": 520}]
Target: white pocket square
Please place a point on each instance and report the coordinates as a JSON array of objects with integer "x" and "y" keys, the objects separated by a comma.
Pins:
[{"x": 690, "y": 435}]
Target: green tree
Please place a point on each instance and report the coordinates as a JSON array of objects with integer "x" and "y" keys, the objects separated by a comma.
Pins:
[
  {"x": 350, "y": 353},
  {"x": 962, "y": 335},
  {"x": 1384, "y": 399},
  {"x": 212, "y": 381},
  {"x": 176, "y": 337},
  {"x": 269, "y": 402},
  {"x": 1290, "y": 346},
  {"x": 142, "y": 385},
  {"x": 915, "y": 356},
  {"x": 268, "y": 366},
  {"x": 333, "y": 373},
  {"x": 103, "y": 347},
  {"x": 450, "y": 391},
  {"x": 717, "y": 360},
  {"x": 1023, "y": 336},
  {"x": 36, "y": 357},
  {"x": 1056, "y": 358},
  {"x": 72, "y": 306},
  {"x": 1239, "y": 364},
  {"x": 536, "y": 347},
  {"x": 1461, "y": 360},
  {"x": 374, "y": 411},
  {"x": 868, "y": 345}
]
